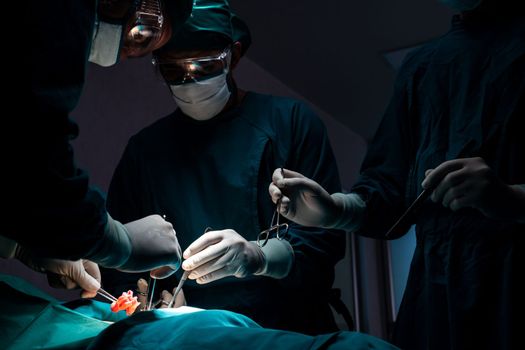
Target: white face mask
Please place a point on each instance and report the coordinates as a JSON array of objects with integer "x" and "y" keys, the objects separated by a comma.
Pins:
[
  {"x": 105, "y": 46},
  {"x": 202, "y": 100},
  {"x": 462, "y": 5}
]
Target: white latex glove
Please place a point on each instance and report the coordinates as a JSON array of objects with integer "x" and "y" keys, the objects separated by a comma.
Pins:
[
  {"x": 60, "y": 273},
  {"x": 219, "y": 254},
  {"x": 155, "y": 239},
  {"x": 64, "y": 273},
  {"x": 146, "y": 244},
  {"x": 303, "y": 200},
  {"x": 469, "y": 182},
  {"x": 72, "y": 274}
]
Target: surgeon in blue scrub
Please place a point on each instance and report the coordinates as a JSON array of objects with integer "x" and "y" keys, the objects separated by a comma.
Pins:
[
  {"x": 208, "y": 164},
  {"x": 53, "y": 221},
  {"x": 454, "y": 127}
]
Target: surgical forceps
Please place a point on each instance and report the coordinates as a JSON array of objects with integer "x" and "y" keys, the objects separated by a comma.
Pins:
[
  {"x": 280, "y": 229},
  {"x": 106, "y": 295},
  {"x": 182, "y": 280}
]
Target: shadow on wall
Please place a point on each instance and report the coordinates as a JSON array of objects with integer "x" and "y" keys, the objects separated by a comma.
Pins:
[{"x": 330, "y": 51}]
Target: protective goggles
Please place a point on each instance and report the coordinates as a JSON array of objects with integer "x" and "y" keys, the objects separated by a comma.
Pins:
[
  {"x": 187, "y": 70},
  {"x": 146, "y": 29}
]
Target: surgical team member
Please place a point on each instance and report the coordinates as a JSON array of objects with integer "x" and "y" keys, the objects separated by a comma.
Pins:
[
  {"x": 208, "y": 165},
  {"x": 49, "y": 210},
  {"x": 454, "y": 126}
]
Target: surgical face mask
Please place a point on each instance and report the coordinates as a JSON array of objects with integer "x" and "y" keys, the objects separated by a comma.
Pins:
[
  {"x": 105, "y": 46},
  {"x": 462, "y": 5},
  {"x": 202, "y": 100}
]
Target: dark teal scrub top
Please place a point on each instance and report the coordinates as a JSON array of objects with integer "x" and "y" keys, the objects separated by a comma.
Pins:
[
  {"x": 216, "y": 174},
  {"x": 462, "y": 95}
]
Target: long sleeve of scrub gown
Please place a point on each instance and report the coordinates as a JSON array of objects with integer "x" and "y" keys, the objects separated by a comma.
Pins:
[
  {"x": 49, "y": 204},
  {"x": 215, "y": 174},
  {"x": 461, "y": 95}
]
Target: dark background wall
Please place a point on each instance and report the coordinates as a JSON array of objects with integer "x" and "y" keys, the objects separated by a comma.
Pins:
[{"x": 330, "y": 53}]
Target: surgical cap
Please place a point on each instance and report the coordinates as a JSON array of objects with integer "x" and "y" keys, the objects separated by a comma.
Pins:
[
  {"x": 210, "y": 19},
  {"x": 241, "y": 32}
]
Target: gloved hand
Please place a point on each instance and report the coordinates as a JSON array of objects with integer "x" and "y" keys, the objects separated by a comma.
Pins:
[
  {"x": 72, "y": 274},
  {"x": 60, "y": 273},
  {"x": 146, "y": 244},
  {"x": 303, "y": 200},
  {"x": 142, "y": 294},
  {"x": 64, "y": 273},
  {"x": 469, "y": 182},
  {"x": 155, "y": 241},
  {"x": 219, "y": 254},
  {"x": 166, "y": 296},
  {"x": 163, "y": 302}
]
